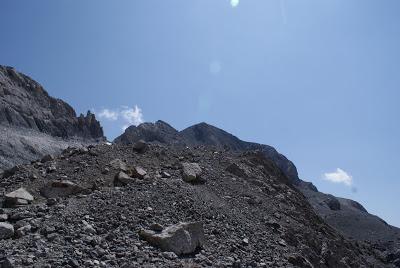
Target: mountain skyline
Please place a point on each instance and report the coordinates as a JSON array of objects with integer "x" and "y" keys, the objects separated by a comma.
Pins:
[{"x": 318, "y": 81}]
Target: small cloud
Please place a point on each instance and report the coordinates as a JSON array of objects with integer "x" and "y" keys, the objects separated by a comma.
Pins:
[
  {"x": 125, "y": 115},
  {"x": 234, "y": 3},
  {"x": 132, "y": 116},
  {"x": 108, "y": 114},
  {"x": 339, "y": 176}
]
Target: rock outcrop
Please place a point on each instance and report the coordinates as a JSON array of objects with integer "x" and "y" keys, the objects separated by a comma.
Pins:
[{"x": 32, "y": 123}]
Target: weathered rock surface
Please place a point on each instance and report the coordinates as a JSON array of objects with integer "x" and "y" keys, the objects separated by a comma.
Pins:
[
  {"x": 192, "y": 172},
  {"x": 182, "y": 238},
  {"x": 33, "y": 124},
  {"x": 61, "y": 188},
  {"x": 123, "y": 178},
  {"x": 6, "y": 230},
  {"x": 18, "y": 197}
]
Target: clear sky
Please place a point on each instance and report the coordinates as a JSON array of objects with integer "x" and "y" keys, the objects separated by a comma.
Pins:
[{"x": 318, "y": 80}]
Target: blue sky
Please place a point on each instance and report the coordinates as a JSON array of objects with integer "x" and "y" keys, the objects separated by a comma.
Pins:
[{"x": 318, "y": 80}]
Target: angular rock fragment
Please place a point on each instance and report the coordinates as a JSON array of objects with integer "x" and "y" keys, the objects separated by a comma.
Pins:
[
  {"x": 191, "y": 172},
  {"x": 18, "y": 197},
  {"x": 138, "y": 172},
  {"x": 23, "y": 230},
  {"x": 61, "y": 188},
  {"x": 6, "y": 230},
  {"x": 123, "y": 178},
  {"x": 165, "y": 174},
  {"x": 182, "y": 238}
]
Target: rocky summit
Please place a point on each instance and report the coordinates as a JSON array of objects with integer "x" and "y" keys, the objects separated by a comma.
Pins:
[
  {"x": 33, "y": 124},
  {"x": 244, "y": 213}
]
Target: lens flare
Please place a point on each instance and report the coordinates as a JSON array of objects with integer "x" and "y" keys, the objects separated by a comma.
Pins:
[{"x": 234, "y": 3}]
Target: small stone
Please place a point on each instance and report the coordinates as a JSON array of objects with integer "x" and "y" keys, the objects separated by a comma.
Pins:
[
  {"x": 23, "y": 230},
  {"x": 3, "y": 217},
  {"x": 6, "y": 230},
  {"x": 138, "y": 172},
  {"x": 169, "y": 255},
  {"x": 87, "y": 228},
  {"x": 165, "y": 174},
  {"x": 245, "y": 241}
]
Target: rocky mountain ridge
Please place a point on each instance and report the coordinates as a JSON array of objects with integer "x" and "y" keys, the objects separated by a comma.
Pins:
[
  {"x": 27, "y": 110},
  {"x": 203, "y": 134}
]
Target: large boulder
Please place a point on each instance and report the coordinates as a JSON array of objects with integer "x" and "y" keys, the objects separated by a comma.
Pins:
[
  {"x": 61, "y": 188},
  {"x": 6, "y": 230},
  {"x": 191, "y": 172},
  {"x": 182, "y": 238},
  {"x": 18, "y": 197}
]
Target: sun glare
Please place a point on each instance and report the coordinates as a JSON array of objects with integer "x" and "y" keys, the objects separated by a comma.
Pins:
[{"x": 234, "y": 3}]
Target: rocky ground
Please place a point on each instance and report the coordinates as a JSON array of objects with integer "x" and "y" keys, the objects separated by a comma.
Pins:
[{"x": 165, "y": 206}]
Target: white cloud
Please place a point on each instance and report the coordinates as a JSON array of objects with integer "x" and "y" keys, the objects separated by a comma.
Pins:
[
  {"x": 126, "y": 115},
  {"x": 339, "y": 176},
  {"x": 108, "y": 114},
  {"x": 132, "y": 116},
  {"x": 234, "y": 3}
]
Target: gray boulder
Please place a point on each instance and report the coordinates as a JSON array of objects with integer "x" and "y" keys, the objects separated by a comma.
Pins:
[
  {"x": 18, "y": 197},
  {"x": 61, "y": 188},
  {"x": 138, "y": 172},
  {"x": 191, "y": 172},
  {"x": 182, "y": 238},
  {"x": 123, "y": 178},
  {"x": 6, "y": 230}
]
